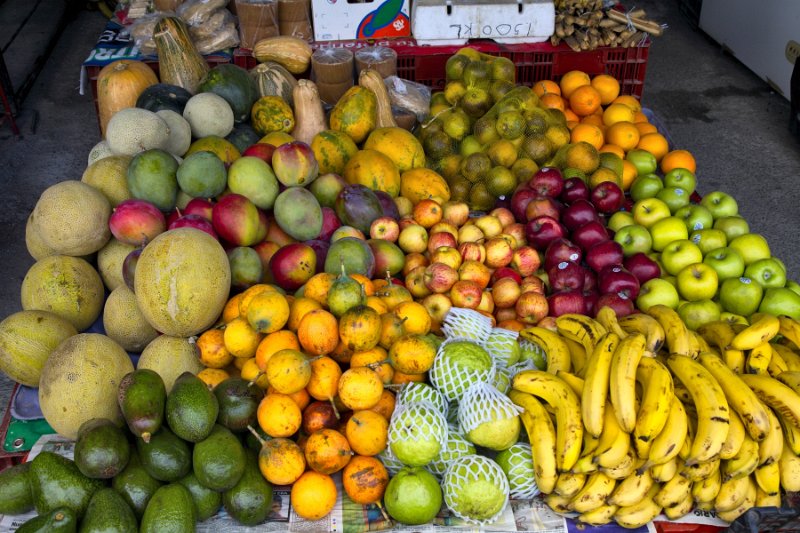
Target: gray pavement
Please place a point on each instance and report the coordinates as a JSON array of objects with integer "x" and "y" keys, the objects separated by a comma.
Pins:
[{"x": 712, "y": 105}]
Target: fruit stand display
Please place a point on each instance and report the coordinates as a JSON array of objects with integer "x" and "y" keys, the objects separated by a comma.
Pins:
[{"x": 257, "y": 309}]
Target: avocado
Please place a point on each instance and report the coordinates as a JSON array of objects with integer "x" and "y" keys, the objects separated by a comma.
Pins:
[
  {"x": 61, "y": 520},
  {"x": 191, "y": 408},
  {"x": 142, "y": 396},
  {"x": 15, "y": 490},
  {"x": 108, "y": 512},
  {"x": 165, "y": 457},
  {"x": 171, "y": 510},
  {"x": 238, "y": 403},
  {"x": 57, "y": 482},
  {"x": 250, "y": 501},
  {"x": 135, "y": 485},
  {"x": 207, "y": 502},
  {"x": 219, "y": 460},
  {"x": 102, "y": 449}
]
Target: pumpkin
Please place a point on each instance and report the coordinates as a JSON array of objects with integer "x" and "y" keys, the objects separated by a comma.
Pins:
[
  {"x": 373, "y": 81},
  {"x": 271, "y": 113},
  {"x": 420, "y": 183},
  {"x": 179, "y": 62},
  {"x": 291, "y": 52},
  {"x": 272, "y": 79},
  {"x": 332, "y": 149},
  {"x": 374, "y": 170},
  {"x": 399, "y": 145},
  {"x": 355, "y": 113},
  {"x": 119, "y": 85},
  {"x": 309, "y": 116}
]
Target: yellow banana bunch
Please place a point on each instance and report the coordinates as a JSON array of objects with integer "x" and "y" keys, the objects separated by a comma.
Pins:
[
  {"x": 656, "y": 402},
  {"x": 776, "y": 395},
  {"x": 789, "y": 328},
  {"x": 623, "y": 469},
  {"x": 719, "y": 334},
  {"x": 595, "y": 388},
  {"x": 668, "y": 443},
  {"x": 593, "y": 494},
  {"x": 749, "y": 500},
  {"x": 609, "y": 320},
  {"x": 676, "y": 332},
  {"x": 732, "y": 493},
  {"x": 762, "y": 329},
  {"x": 789, "y": 465},
  {"x": 791, "y": 379},
  {"x": 640, "y": 513},
  {"x": 632, "y": 489},
  {"x": 582, "y": 329},
  {"x": 647, "y": 326},
  {"x": 558, "y": 357},
  {"x": 777, "y": 364},
  {"x": 614, "y": 443},
  {"x": 542, "y": 436},
  {"x": 680, "y": 509},
  {"x": 622, "y": 379},
  {"x": 768, "y": 478},
  {"x": 789, "y": 356},
  {"x": 599, "y": 516},
  {"x": 706, "y": 490},
  {"x": 673, "y": 491},
  {"x": 758, "y": 359},
  {"x": 743, "y": 463},
  {"x": 569, "y": 484},
  {"x": 767, "y": 500},
  {"x": 733, "y": 442},
  {"x": 665, "y": 471},
  {"x": 770, "y": 449},
  {"x": 700, "y": 471}
]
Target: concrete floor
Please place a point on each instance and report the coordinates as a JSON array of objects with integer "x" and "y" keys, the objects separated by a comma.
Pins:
[{"x": 733, "y": 123}]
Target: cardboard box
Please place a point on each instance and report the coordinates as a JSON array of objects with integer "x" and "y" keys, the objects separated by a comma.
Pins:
[
  {"x": 338, "y": 20},
  {"x": 442, "y": 22}
]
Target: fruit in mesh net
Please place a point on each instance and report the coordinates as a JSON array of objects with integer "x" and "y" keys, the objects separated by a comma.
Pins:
[
  {"x": 502, "y": 345},
  {"x": 517, "y": 463},
  {"x": 475, "y": 488},
  {"x": 456, "y": 446},
  {"x": 458, "y": 365},
  {"x": 489, "y": 418},
  {"x": 416, "y": 433},
  {"x": 422, "y": 392}
]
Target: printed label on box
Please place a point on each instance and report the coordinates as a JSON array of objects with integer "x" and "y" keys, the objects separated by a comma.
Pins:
[{"x": 336, "y": 20}]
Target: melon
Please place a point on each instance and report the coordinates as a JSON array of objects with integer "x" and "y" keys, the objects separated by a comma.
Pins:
[
  {"x": 67, "y": 286},
  {"x": 182, "y": 281},
  {"x": 133, "y": 130},
  {"x": 71, "y": 217},
  {"x": 98, "y": 152},
  {"x": 170, "y": 357},
  {"x": 109, "y": 176},
  {"x": 208, "y": 114},
  {"x": 109, "y": 262},
  {"x": 26, "y": 340},
  {"x": 124, "y": 322},
  {"x": 180, "y": 132},
  {"x": 79, "y": 382},
  {"x": 34, "y": 243}
]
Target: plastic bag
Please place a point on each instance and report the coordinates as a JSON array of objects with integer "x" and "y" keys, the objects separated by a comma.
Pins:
[
  {"x": 257, "y": 20},
  {"x": 409, "y": 95},
  {"x": 197, "y": 12},
  {"x": 217, "y": 22},
  {"x": 141, "y": 31},
  {"x": 226, "y": 37}
]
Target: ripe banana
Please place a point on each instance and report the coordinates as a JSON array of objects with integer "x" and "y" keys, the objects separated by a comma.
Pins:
[
  {"x": 744, "y": 463},
  {"x": 569, "y": 426},
  {"x": 647, "y": 326},
  {"x": 623, "y": 469},
  {"x": 751, "y": 491},
  {"x": 590, "y": 444},
  {"x": 790, "y": 357},
  {"x": 622, "y": 379},
  {"x": 608, "y": 319},
  {"x": 740, "y": 397},
  {"x": 575, "y": 383},
  {"x": 791, "y": 436},
  {"x": 654, "y": 410},
  {"x": 639, "y": 514},
  {"x": 735, "y": 438},
  {"x": 789, "y": 465},
  {"x": 593, "y": 494},
  {"x": 677, "y": 335},
  {"x": 668, "y": 443},
  {"x": 598, "y": 517},
  {"x": 711, "y": 405},
  {"x": 558, "y": 503},
  {"x": 578, "y": 356},
  {"x": 581, "y": 329},
  {"x": 732, "y": 493},
  {"x": 700, "y": 471},
  {"x": 776, "y": 395},
  {"x": 762, "y": 329},
  {"x": 585, "y": 465},
  {"x": 777, "y": 364},
  {"x": 768, "y": 477},
  {"x": 767, "y": 500},
  {"x": 758, "y": 359},
  {"x": 631, "y": 489},
  {"x": 673, "y": 491},
  {"x": 720, "y": 334},
  {"x": 691, "y": 429},
  {"x": 698, "y": 343},
  {"x": 790, "y": 329},
  {"x": 665, "y": 471},
  {"x": 542, "y": 436},
  {"x": 614, "y": 443},
  {"x": 770, "y": 449},
  {"x": 790, "y": 379},
  {"x": 595, "y": 388},
  {"x": 569, "y": 484},
  {"x": 558, "y": 357},
  {"x": 681, "y": 509},
  {"x": 706, "y": 490},
  {"x": 681, "y": 392}
]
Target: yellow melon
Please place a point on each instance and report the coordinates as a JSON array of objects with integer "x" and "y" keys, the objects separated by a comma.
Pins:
[
  {"x": 110, "y": 176},
  {"x": 374, "y": 170},
  {"x": 399, "y": 145},
  {"x": 34, "y": 243},
  {"x": 79, "y": 382},
  {"x": 109, "y": 262},
  {"x": 124, "y": 322},
  {"x": 183, "y": 278},
  {"x": 170, "y": 357}
]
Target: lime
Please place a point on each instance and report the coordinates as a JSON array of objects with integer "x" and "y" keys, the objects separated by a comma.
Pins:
[{"x": 413, "y": 496}]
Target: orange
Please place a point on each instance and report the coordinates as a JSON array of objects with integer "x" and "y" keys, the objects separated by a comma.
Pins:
[
  {"x": 584, "y": 100},
  {"x": 618, "y": 113},
  {"x": 645, "y": 128},
  {"x": 366, "y": 431},
  {"x": 278, "y": 415},
  {"x": 241, "y": 340},
  {"x": 629, "y": 173},
  {"x": 375, "y": 358},
  {"x": 543, "y": 87},
  {"x": 377, "y": 304},
  {"x": 318, "y": 286},
  {"x": 552, "y": 101},
  {"x": 250, "y": 293},
  {"x": 251, "y": 372},
  {"x": 655, "y": 143},
  {"x": 231, "y": 309},
  {"x": 400, "y": 378},
  {"x": 318, "y": 332},
  {"x": 641, "y": 118},
  {"x": 268, "y": 312},
  {"x": 572, "y": 80},
  {"x": 594, "y": 119},
  {"x": 324, "y": 382},
  {"x": 298, "y": 309},
  {"x": 213, "y": 353},
  {"x": 327, "y": 451},
  {"x": 369, "y": 287},
  {"x": 628, "y": 100},
  {"x": 614, "y": 149},
  {"x": 570, "y": 115},
  {"x": 360, "y": 388},
  {"x": 385, "y": 406},
  {"x": 360, "y": 328},
  {"x": 281, "y": 461},
  {"x": 678, "y": 159},
  {"x": 624, "y": 134},
  {"x": 212, "y": 376},
  {"x": 313, "y": 495},
  {"x": 415, "y": 317},
  {"x": 364, "y": 479},
  {"x": 607, "y": 86},
  {"x": 272, "y": 344},
  {"x": 587, "y": 133}
]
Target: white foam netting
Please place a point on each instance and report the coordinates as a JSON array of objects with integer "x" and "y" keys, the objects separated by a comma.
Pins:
[
  {"x": 531, "y": 351},
  {"x": 466, "y": 324},
  {"x": 502, "y": 345},
  {"x": 392, "y": 463},
  {"x": 416, "y": 391},
  {"x": 483, "y": 403},
  {"x": 521, "y": 481},
  {"x": 451, "y": 377},
  {"x": 455, "y": 447},
  {"x": 468, "y": 469},
  {"x": 422, "y": 425},
  {"x": 502, "y": 380}
]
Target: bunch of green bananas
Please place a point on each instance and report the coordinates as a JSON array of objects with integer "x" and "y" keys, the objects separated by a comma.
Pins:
[{"x": 651, "y": 417}]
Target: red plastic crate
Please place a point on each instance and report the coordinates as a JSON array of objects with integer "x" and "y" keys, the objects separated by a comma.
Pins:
[{"x": 9, "y": 459}]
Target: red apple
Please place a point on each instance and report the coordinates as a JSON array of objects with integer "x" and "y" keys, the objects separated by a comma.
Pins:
[
  {"x": 437, "y": 305},
  {"x": 566, "y": 275},
  {"x": 440, "y": 239},
  {"x": 448, "y": 256},
  {"x": 541, "y": 231},
  {"x": 621, "y": 305},
  {"x": 616, "y": 279},
  {"x": 547, "y": 182},
  {"x": 262, "y": 151},
  {"x": 574, "y": 189},
  {"x": 475, "y": 271},
  {"x": 516, "y": 230},
  {"x": 505, "y": 272},
  {"x": 520, "y": 201},
  {"x": 532, "y": 284},
  {"x": 194, "y": 221},
  {"x": 330, "y": 223},
  {"x": 406, "y": 221},
  {"x": 415, "y": 283},
  {"x": 385, "y": 228},
  {"x": 589, "y": 234},
  {"x": 413, "y": 260},
  {"x": 294, "y": 164},
  {"x": 531, "y": 307},
  {"x": 499, "y": 252},
  {"x": 561, "y": 250},
  {"x": 439, "y": 277},
  {"x": 578, "y": 213},
  {"x": 590, "y": 298},
  {"x": 472, "y": 251},
  {"x": 445, "y": 226},
  {"x": 506, "y": 291},
  {"x": 504, "y": 215},
  {"x": 466, "y": 293},
  {"x": 607, "y": 197},
  {"x": 642, "y": 266},
  {"x": 543, "y": 206},
  {"x": 293, "y": 265},
  {"x": 456, "y": 213},
  {"x": 589, "y": 279},
  {"x": 564, "y": 302},
  {"x": 602, "y": 254},
  {"x": 526, "y": 260},
  {"x": 487, "y": 302}
]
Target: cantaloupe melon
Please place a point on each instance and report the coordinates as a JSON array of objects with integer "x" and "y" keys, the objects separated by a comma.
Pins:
[
  {"x": 71, "y": 217},
  {"x": 133, "y": 130},
  {"x": 109, "y": 262},
  {"x": 34, "y": 243},
  {"x": 170, "y": 357},
  {"x": 124, "y": 322},
  {"x": 208, "y": 114},
  {"x": 79, "y": 382},
  {"x": 26, "y": 340},
  {"x": 109, "y": 176},
  {"x": 67, "y": 286},
  {"x": 98, "y": 152},
  {"x": 180, "y": 132},
  {"x": 182, "y": 281}
]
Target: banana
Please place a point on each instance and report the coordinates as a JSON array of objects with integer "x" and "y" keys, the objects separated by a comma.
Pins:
[
  {"x": 631, "y": 489},
  {"x": 789, "y": 465},
  {"x": 681, "y": 392},
  {"x": 673, "y": 491},
  {"x": 614, "y": 443},
  {"x": 770, "y": 449},
  {"x": 733, "y": 319},
  {"x": 542, "y": 436},
  {"x": 735, "y": 438},
  {"x": 569, "y": 484},
  {"x": 598, "y": 517},
  {"x": 585, "y": 465},
  {"x": 758, "y": 359},
  {"x": 789, "y": 328},
  {"x": 590, "y": 443},
  {"x": 647, "y": 326},
  {"x": 578, "y": 356},
  {"x": 711, "y": 405},
  {"x": 623, "y": 469},
  {"x": 691, "y": 429},
  {"x": 767, "y": 500},
  {"x": 622, "y": 379},
  {"x": 789, "y": 356},
  {"x": 609, "y": 320},
  {"x": 700, "y": 471},
  {"x": 790, "y": 379},
  {"x": 777, "y": 364},
  {"x": 575, "y": 383},
  {"x": 582, "y": 329},
  {"x": 677, "y": 335},
  {"x": 791, "y": 436},
  {"x": 640, "y": 513},
  {"x": 558, "y": 357},
  {"x": 595, "y": 388},
  {"x": 740, "y": 397},
  {"x": 557, "y": 503},
  {"x": 680, "y": 509},
  {"x": 593, "y": 494},
  {"x": 744, "y": 463},
  {"x": 654, "y": 410},
  {"x": 569, "y": 426},
  {"x": 697, "y": 343},
  {"x": 668, "y": 443},
  {"x": 720, "y": 334},
  {"x": 706, "y": 490},
  {"x": 762, "y": 329},
  {"x": 776, "y": 395},
  {"x": 704, "y": 506},
  {"x": 665, "y": 471},
  {"x": 751, "y": 492},
  {"x": 768, "y": 477},
  {"x": 732, "y": 493}
]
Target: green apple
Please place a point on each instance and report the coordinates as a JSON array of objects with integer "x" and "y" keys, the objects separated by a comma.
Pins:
[
  {"x": 793, "y": 285},
  {"x": 634, "y": 238},
  {"x": 644, "y": 161},
  {"x": 667, "y": 230},
  {"x": 619, "y": 220},
  {"x": 669, "y": 278},
  {"x": 732, "y": 226},
  {"x": 720, "y": 204},
  {"x": 680, "y": 254},
  {"x": 740, "y": 296},
  {"x": 781, "y": 301},
  {"x": 708, "y": 239},
  {"x": 751, "y": 246},
  {"x": 695, "y": 217},
  {"x": 657, "y": 291},
  {"x": 733, "y": 318},
  {"x": 697, "y": 281},
  {"x": 674, "y": 197},
  {"x": 681, "y": 177},
  {"x": 645, "y": 186},
  {"x": 726, "y": 261},
  {"x": 646, "y": 212},
  {"x": 695, "y": 314},
  {"x": 768, "y": 272}
]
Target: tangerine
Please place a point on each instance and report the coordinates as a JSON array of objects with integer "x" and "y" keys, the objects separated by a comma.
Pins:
[
  {"x": 628, "y": 100},
  {"x": 360, "y": 388},
  {"x": 645, "y": 128},
  {"x": 572, "y": 80},
  {"x": 279, "y": 415},
  {"x": 367, "y": 431},
  {"x": 618, "y": 113},
  {"x": 607, "y": 86},
  {"x": 364, "y": 479},
  {"x": 587, "y": 133},
  {"x": 327, "y": 451},
  {"x": 313, "y": 495},
  {"x": 552, "y": 101},
  {"x": 543, "y": 87},
  {"x": 213, "y": 354},
  {"x": 318, "y": 332},
  {"x": 624, "y": 134},
  {"x": 584, "y": 100},
  {"x": 678, "y": 159},
  {"x": 655, "y": 143},
  {"x": 614, "y": 149},
  {"x": 273, "y": 343}
]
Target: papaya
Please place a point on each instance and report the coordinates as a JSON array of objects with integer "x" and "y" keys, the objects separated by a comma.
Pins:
[
  {"x": 399, "y": 145},
  {"x": 271, "y": 113},
  {"x": 355, "y": 113},
  {"x": 374, "y": 170},
  {"x": 332, "y": 149},
  {"x": 420, "y": 183}
]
